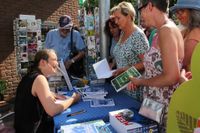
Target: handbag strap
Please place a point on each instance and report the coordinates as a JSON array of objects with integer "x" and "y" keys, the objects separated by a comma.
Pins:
[{"x": 71, "y": 39}]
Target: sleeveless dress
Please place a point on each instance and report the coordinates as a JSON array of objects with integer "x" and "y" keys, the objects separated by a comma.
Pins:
[
  {"x": 153, "y": 67},
  {"x": 28, "y": 109}
]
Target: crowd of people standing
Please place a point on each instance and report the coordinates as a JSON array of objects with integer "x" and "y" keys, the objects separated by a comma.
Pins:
[{"x": 162, "y": 64}]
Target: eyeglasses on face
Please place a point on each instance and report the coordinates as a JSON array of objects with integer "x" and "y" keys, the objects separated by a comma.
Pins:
[{"x": 179, "y": 12}]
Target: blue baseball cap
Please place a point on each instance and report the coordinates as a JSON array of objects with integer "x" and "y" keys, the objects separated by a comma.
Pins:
[{"x": 65, "y": 22}]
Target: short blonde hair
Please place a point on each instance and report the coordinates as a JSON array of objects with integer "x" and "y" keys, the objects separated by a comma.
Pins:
[
  {"x": 126, "y": 8},
  {"x": 113, "y": 9}
]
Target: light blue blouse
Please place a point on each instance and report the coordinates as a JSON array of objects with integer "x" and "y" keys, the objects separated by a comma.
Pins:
[{"x": 61, "y": 45}]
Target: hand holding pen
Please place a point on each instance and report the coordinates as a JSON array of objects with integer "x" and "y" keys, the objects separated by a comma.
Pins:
[{"x": 76, "y": 97}]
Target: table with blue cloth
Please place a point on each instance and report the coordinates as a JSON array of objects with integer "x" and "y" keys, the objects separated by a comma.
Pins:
[{"x": 121, "y": 100}]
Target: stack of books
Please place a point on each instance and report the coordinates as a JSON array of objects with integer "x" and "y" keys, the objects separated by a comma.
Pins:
[
  {"x": 90, "y": 93},
  {"x": 123, "y": 125},
  {"x": 96, "y": 96}
]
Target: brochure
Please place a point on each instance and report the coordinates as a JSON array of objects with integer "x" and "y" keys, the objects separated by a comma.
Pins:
[
  {"x": 121, "y": 81},
  {"x": 89, "y": 90},
  {"x": 65, "y": 74},
  {"x": 102, "y": 69},
  {"x": 102, "y": 102}
]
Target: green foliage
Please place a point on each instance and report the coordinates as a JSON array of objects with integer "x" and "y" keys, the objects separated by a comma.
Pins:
[
  {"x": 3, "y": 86},
  {"x": 91, "y": 4}
]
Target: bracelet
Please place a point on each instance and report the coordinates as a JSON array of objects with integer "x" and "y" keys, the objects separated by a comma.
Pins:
[{"x": 72, "y": 60}]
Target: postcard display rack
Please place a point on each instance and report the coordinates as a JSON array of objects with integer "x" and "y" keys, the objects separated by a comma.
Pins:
[
  {"x": 89, "y": 29},
  {"x": 27, "y": 39}
]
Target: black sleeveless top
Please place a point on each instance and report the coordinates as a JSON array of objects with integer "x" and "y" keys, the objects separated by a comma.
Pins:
[{"x": 28, "y": 109}]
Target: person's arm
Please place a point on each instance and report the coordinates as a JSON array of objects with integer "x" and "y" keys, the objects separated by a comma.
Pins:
[
  {"x": 190, "y": 45},
  {"x": 41, "y": 89},
  {"x": 58, "y": 96},
  {"x": 79, "y": 56},
  {"x": 185, "y": 76},
  {"x": 80, "y": 47},
  {"x": 169, "y": 52},
  {"x": 120, "y": 70},
  {"x": 76, "y": 58},
  {"x": 138, "y": 66}
]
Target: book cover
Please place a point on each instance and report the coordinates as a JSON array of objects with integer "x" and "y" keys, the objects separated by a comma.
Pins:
[
  {"x": 121, "y": 81},
  {"x": 120, "y": 124}
]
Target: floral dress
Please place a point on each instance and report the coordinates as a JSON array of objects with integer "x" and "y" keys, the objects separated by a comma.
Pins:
[
  {"x": 126, "y": 54},
  {"x": 153, "y": 67}
]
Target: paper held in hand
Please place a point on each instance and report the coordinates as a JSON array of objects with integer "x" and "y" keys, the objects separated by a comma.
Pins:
[
  {"x": 121, "y": 81},
  {"x": 102, "y": 69}
]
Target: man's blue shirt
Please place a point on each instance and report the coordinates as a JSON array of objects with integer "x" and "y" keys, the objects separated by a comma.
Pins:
[{"x": 62, "y": 45}]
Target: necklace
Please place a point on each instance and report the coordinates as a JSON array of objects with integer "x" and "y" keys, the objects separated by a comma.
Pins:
[{"x": 120, "y": 38}]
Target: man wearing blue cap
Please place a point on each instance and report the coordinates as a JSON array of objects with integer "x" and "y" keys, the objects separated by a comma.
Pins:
[{"x": 63, "y": 40}]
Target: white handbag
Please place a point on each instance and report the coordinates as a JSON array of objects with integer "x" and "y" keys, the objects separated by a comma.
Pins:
[{"x": 152, "y": 109}]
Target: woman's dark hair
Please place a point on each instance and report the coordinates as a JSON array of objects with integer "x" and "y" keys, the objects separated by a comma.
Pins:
[
  {"x": 162, "y": 5},
  {"x": 194, "y": 19},
  {"x": 42, "y": 54},
  {"x": 109, "y": 22}
]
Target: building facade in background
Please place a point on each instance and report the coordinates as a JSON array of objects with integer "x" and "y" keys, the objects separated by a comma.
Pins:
[{"x": 48, "y": 10}]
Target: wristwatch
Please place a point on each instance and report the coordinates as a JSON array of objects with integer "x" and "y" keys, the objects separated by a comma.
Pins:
[{"x": 72, "y": 60}]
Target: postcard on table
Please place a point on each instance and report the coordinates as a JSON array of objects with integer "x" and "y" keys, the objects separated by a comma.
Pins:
[
  {"x": 121, "y": 81},
  {"x": 102, "y": 102},
  {"x": 102, "y": 69},
  {"x": 95, "y": 126}
]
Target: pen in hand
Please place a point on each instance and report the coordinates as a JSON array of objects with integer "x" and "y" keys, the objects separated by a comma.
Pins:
[{"x": 76, "y": 113}]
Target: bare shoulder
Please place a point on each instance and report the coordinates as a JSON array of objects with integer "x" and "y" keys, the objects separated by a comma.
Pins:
[
  {"x": 194, "y": 34},
  {"x": 168, "y": 28},
  {"x": 39, "y": 84},
  {"x": 40, "y": 78}
]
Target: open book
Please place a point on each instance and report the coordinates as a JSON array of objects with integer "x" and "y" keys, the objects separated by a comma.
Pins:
[{"x": 121, "y": 81}]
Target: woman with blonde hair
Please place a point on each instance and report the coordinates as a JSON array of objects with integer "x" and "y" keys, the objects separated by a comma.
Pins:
[{"x": 132, "y": 43}]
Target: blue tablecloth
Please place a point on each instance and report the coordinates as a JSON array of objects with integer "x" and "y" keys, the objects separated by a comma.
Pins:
[{"x": 121, "y": 101}]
